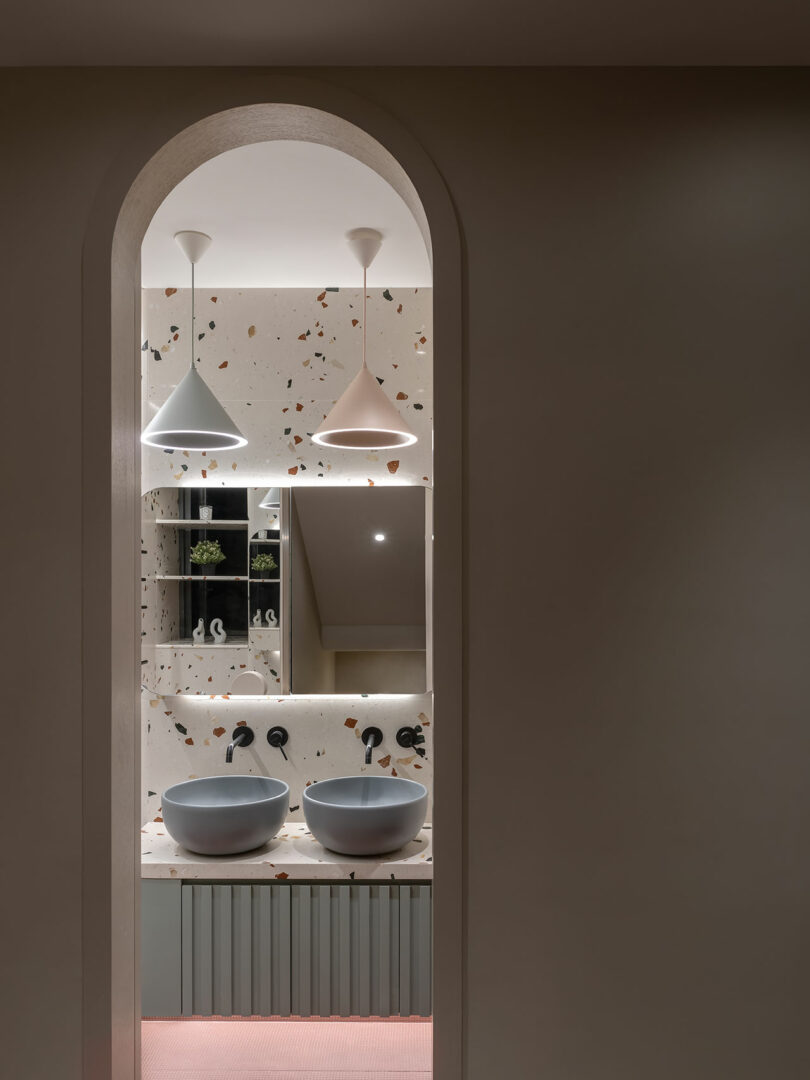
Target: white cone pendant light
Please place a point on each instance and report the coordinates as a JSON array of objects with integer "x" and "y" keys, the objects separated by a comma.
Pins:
[
  {"x": 272, "y": 500},
  {"x": 364, "y": 418},
  {"x": 192, "y": 418}
]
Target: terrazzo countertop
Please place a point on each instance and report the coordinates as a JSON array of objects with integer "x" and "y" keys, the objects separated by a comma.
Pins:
[{"x": 293, "y": 855}]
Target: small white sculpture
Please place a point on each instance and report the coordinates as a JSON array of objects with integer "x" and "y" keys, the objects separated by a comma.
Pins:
[
  {"x": 270, "y": 615},
  {"x": 220, "y": 637},
  {"x": 198, "y": 635},
  {"x": 257, "y": 618}
]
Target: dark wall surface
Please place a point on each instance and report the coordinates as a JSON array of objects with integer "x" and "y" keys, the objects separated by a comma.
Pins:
[{"x": 637, "y": 393}]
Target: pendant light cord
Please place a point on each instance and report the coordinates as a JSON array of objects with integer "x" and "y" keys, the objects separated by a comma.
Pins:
[
  {"x": 364, "y": 317},
  {"x": 192, "y": 315}
]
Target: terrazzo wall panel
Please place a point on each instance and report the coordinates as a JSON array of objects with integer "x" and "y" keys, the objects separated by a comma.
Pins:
[
  {"x": 196, "y": 669},
  {"x": 277, "y": 359},
  {"x": 186, "y": 737}
]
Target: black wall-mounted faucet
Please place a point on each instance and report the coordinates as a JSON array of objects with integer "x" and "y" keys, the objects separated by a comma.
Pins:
[
  {"x": 277, "y": 736},
  {"x": 241, "y": 736},
  {"x": 371, "y": 737}
]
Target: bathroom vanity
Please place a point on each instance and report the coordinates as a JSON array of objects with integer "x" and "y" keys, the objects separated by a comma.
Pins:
[{"x": 288, "y": 930}]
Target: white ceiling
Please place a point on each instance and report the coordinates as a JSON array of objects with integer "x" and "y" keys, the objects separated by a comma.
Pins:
[{"x": 278, "y": 213}]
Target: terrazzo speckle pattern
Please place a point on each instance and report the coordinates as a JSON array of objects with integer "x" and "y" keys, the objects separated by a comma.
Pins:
[
  {"x": 185, "y": 737},
  {"x": 293, "y": 855},
  {"x": 194, "y": 670},
  {"x": 278, "y": 359}
]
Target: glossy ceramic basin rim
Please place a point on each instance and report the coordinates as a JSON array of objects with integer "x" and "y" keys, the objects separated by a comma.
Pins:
[
  {"x": 365, "y": 793},
  {"x": 218, "y": 792}
]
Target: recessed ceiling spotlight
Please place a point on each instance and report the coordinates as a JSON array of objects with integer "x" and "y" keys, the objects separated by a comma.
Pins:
[{"x": 379, "y": 536}]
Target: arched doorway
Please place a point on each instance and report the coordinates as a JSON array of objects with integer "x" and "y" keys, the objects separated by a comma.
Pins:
[{"x": 110, "y": 466}]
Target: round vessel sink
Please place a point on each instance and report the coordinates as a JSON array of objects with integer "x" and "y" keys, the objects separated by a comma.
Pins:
[
  {"x": 224, "y": 815},
  {"x": 365, "y": 815}
]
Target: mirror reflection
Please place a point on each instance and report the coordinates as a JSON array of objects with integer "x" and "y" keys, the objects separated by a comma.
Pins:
[
  {"x": 358, "y": 590},
  {"x": 304, "y": 590}
]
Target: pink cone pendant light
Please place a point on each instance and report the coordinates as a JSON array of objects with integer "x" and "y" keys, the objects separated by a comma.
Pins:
[
  {"x": 364, "y": 418},
  {"x": 192, "y": 418}
]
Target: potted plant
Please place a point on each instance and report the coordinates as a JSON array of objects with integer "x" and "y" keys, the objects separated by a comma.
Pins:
[
  {"x": 263, "y": 564},
  {"x": 207, "y": 555}
]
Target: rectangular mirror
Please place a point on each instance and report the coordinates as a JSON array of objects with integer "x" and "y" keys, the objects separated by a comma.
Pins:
[
  {"x": 358, "y": 590},
  {"x": 323, "y": 591}
]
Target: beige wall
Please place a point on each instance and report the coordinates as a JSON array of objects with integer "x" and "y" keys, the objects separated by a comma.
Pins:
[
  {"x": 637, "y": 251},
  {"x": 380, "y": 672}
]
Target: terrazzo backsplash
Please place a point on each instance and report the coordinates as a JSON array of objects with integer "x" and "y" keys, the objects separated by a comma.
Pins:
[
  {"x": 186, "y": 737},
  {"x": 277, "y": 359}
]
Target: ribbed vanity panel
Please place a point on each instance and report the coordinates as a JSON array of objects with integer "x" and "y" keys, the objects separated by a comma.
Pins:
[
  {"x": 202, "y": 981},
  {"x": 262, "y": 969},
  {"x": 223, "y": 950},
  {"x": 304, "y": 950},
  {"x": 394, "y": 935},
  {"x": 161, "y": 943},
  {"x": 345, "y": 940},
  {"x": 423, "y": 948},
  {"x": 188, "y": 951},
  {"x": 322, "y": 949},
  {"x": 243, "y": 950},
  {"x": 361, "y": 956},
  {"x": 282, "y": 946},
  {"x": 405, "y": 952}
]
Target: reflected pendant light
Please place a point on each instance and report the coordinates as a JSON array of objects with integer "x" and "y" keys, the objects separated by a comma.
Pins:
[
  {"x": 192, "y": 418},
  {"x": 364, "y": 418},
  {"x": 272, "y": 500}
]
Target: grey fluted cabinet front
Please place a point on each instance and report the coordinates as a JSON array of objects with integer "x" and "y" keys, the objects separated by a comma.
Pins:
[{"x": 281, "y": 949}]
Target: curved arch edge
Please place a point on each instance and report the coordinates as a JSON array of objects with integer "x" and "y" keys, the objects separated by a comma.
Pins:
[{"x": 153, "y": 161}]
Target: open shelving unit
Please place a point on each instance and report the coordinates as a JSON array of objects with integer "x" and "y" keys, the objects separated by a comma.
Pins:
[
  {"x": 194, "y": 523},
  {"x": 233, "y": 597},
  {"x": 198, "y": 577},
  {"x": 187, "y": 643}
]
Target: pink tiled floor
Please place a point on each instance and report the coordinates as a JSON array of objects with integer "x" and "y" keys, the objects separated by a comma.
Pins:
[{"x": 286, "y": 1050}]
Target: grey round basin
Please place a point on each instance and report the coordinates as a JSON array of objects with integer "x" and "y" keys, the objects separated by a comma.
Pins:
[
  {"x": 223, "y": 815},
  {"x": 365, "y": 815}
]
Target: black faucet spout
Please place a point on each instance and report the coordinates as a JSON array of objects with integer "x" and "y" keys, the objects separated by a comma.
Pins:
[
  {"x": 370, "y": 738},
  {"x": 241, "y": 736}
]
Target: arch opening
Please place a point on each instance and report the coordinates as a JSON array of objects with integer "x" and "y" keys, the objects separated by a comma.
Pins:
[{"x": 206, "y": 138}]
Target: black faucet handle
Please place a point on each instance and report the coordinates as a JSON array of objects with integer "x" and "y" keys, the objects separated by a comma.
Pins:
[
  {"x": 277, "y": 737},
  {"x": 411, "y": 738}
]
